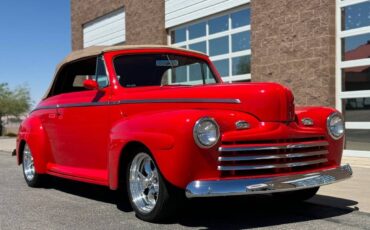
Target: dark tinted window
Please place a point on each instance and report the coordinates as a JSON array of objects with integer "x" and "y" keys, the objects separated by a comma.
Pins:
[
  {"x": 357, "y": 109},
  {"x": 161, "y": 69},
  {"x": 70, "y": 78},
  {"x": 356, "y": 78},
  {"x": 222, "y": 67},
  {"x": 358, "y": 139},
  {"x": 241, "y": 65}
]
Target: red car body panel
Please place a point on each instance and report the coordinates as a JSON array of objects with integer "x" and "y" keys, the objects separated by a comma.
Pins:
[{"x": 82, "y": 136}]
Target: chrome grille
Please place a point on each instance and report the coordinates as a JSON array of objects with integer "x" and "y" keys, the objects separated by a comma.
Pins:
[{"x": 272, "y": 156}]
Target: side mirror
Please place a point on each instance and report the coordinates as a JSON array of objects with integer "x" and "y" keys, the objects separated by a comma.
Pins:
[{"x": 91, "y": 84}]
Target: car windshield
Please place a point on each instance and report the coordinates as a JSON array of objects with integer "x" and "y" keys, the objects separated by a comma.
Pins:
[{"x": 162, "y": 70}]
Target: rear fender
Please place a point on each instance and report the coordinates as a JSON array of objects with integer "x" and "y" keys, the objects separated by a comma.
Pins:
[{"x": 31, "y": 132}]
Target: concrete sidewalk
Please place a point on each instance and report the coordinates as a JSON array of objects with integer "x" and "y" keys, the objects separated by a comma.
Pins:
[
  {"x": 354, "y": 192},
  {"x": 7, "y": 144}
]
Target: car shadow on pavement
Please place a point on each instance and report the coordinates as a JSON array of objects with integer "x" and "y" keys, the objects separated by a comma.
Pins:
[
  {"x": 256, "y": 211},
  {"x": 89, "y": 191},
  {"x": 220, "y": 213}
]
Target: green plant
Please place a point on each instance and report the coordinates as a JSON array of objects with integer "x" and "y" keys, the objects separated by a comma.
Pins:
[{"x": 13, "y": 102}]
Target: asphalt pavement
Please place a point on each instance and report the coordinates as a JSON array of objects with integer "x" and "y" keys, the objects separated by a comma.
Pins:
[{"x": 65, "y": 204}]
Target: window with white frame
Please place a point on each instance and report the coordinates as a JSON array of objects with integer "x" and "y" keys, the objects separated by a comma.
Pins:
[
  {"x": 353, "y": 73},
  {"x": 224, "y": 37}
]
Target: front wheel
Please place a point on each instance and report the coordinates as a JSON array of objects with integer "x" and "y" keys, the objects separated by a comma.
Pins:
[
  {"x": 148, "y": 192},
  {"x": 32, "y": 178}
]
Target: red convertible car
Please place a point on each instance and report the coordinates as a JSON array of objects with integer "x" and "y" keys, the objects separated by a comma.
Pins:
[{"x": 157, "y": 123}]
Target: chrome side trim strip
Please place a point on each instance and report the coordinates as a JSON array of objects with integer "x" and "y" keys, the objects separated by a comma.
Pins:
[
  {"x": 273, "y": 147},
  {"x": 72, "y": 105},
  {"x": 88, "y": 104},
  {"x": 180, "y": 100},
  {"x": 271, "y": 166},
  {"x": 45, "y": 107},
  {"x": 266, "y": 185},
  {"x": 274, "y": 156},
  {"x": 142, "y": 101}
]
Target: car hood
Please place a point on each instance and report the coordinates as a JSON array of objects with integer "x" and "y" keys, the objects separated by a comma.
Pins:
[{"x": 265, "y": 101}]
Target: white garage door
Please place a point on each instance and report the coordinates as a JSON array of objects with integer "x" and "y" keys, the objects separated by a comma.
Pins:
[{"x": 106, "y": 30}]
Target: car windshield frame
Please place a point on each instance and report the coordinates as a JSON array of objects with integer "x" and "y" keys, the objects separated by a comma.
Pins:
[{"x": 212, "y": 74}]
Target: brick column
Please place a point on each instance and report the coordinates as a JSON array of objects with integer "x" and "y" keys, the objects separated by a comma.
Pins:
[{"x": 293, "y": 43}]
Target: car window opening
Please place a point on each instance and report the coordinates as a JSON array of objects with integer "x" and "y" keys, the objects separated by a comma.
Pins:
[{"x": 162, "y": 70}]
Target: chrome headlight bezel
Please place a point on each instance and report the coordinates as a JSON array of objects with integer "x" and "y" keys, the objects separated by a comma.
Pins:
[
  {"x": 335, "y": 136},
  {"x": 196, "y": 132}
]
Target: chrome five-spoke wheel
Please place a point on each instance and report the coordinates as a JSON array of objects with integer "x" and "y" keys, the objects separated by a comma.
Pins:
[
  {"x": 151, "y": 196},
  {"x": 144, "y": 182},
  {"x": 28, "y": 164},
  {"x": 32, "y": 178}
]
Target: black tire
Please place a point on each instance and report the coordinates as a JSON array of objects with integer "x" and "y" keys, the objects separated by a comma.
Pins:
[
  {"x": 297, "y": 196},
  {"x": 32, "y": 178},
  {"x": 168, "y": 198}
]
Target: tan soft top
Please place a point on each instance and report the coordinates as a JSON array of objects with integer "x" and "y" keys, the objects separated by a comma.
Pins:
[{"x": 97, "y": 50}]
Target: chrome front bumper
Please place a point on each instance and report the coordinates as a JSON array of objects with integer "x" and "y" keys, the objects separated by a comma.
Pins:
[{"x": 212, "y": 188}]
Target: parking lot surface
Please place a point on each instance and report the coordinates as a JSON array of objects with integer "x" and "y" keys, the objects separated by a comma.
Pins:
[{"x": 66, "y": 204}]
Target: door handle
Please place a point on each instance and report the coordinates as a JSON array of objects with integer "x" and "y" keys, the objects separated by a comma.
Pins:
[{"x": 58, "y": 113}]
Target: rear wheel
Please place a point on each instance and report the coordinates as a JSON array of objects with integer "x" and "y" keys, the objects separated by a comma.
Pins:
[
  {"x": 32, "y": 178},
  {"x": 299, "y": 195},
  {"x": 148, "y": 192}
]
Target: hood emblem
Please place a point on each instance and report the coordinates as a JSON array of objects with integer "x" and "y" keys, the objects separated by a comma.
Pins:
[
  {"x": 242, "y": 125},
  {"x": 307, "y": 121}
]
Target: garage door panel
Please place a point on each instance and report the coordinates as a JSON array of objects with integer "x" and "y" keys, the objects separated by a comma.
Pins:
[
  {"x": 106, "y": 30},
  {"x": 110, "y": 39},
  {"x": 105, "y": 20}
]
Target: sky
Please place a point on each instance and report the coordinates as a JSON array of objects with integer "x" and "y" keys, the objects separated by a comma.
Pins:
[{"x": 34, "y": 37}]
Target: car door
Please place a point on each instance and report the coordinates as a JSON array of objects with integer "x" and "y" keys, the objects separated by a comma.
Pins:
[{"x": 81, "y": 124}]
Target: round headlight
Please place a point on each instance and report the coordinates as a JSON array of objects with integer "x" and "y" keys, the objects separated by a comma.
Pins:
[
  {"x": 335, "y": 126},
  {"x": 206, "y": 132}
]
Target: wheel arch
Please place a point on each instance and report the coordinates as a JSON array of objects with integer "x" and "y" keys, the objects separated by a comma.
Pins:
[
  {"x": 22, "y": 143},
  {"x": 127, "y": 153}
]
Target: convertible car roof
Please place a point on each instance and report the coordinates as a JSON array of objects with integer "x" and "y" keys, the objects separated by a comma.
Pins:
[{"x": 97, "y": 50}]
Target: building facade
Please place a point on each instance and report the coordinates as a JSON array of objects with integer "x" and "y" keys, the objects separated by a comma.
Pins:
[{"x": 319, "y": 48}]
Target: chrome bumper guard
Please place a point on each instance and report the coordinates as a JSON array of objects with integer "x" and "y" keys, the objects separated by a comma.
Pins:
[{"x": 213, "y": 188}]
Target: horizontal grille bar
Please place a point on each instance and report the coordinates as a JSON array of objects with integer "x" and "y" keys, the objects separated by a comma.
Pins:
[
  {"x": 272, "y": 157},
  {"x": 272, "y": 166},
  {"x": 273, "y": 147}
]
